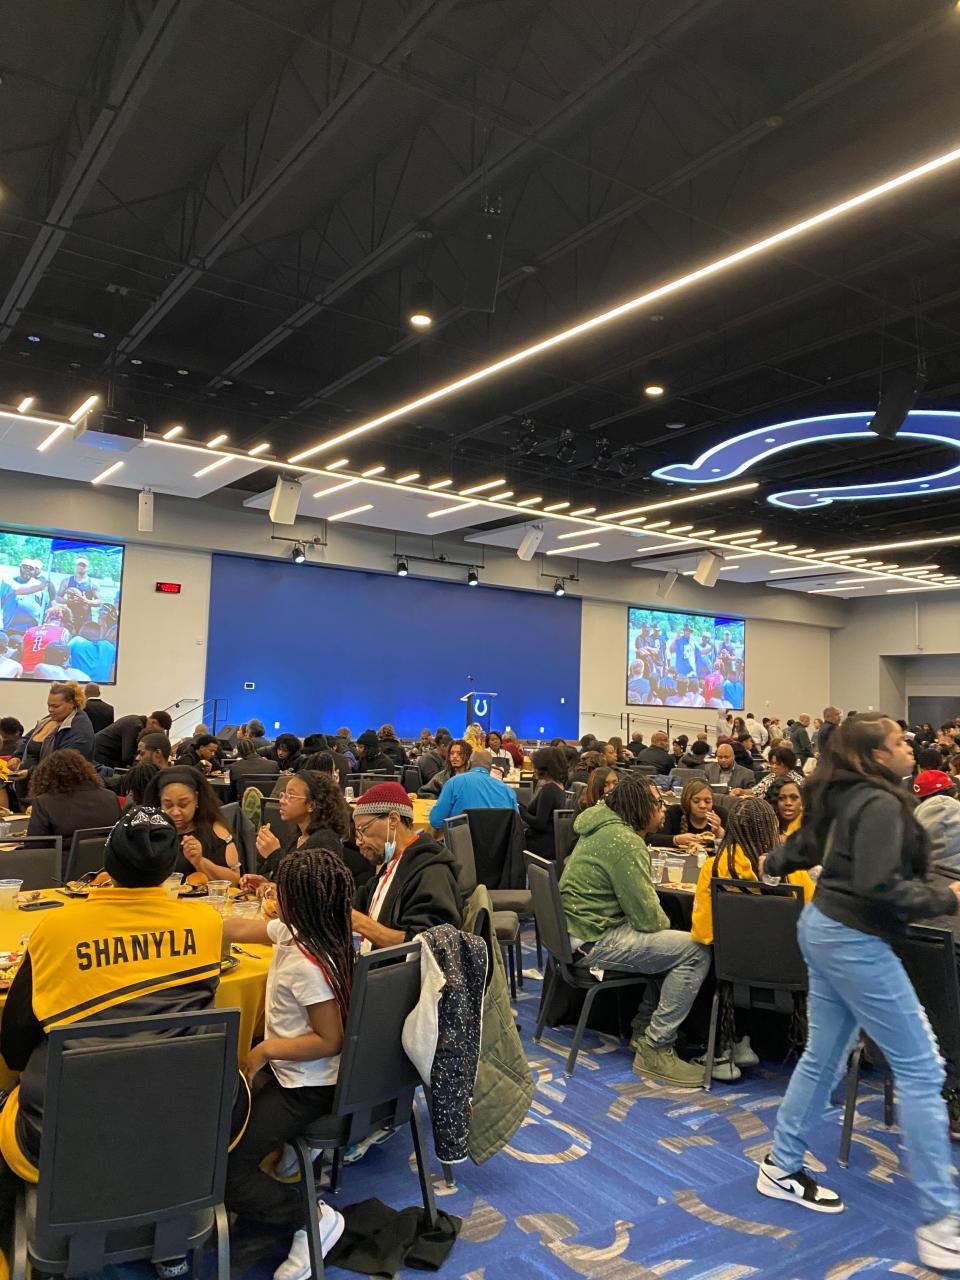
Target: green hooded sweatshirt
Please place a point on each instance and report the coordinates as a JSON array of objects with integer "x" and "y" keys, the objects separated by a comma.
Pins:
[{"x": 606, "y": 881}]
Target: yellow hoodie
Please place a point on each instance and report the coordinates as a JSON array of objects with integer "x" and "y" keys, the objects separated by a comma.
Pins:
[{"x": 701, "y": 928}]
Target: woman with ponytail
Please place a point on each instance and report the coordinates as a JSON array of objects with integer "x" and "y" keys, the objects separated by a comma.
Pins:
[
  {"x": 859, "y": 824},
  {"x": 308, "y": 997}
]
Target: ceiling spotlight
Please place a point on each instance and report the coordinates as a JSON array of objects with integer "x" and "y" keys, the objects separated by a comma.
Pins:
[
  {"x": 98, "y": 333},
  {"x": 566, "y": 447},
  {"x": 602, "y": 453},
  {"x": 134, "y": 360},
  {"x": 183, "y": 372},
  {"x": 526, "y": 442},
  {"x": 299, "y": 553},
  {"x": 654, "y": 390},
  {"x": 33, "y": 337},
  {"x": 473, "y": 578},
  {"x": 629, "y": 464},
  {"x": 558, "y": 588},
  {"x": 674, "y": 426},
  {"x": 402, "y": 568},
  {"x": 420, "y": 310}
]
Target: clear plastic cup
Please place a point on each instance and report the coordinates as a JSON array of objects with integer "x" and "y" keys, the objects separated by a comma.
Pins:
[
  {"x": 675, "y": 870},
  {"x": 348, "y": 794},
  {"x": 656, "y": 869},
  {"x": 173, "y": 885},
  {"x": 247, "y": 910},
  {"x": 218, "y": 891},
  {"x": 9, "y": 889}
]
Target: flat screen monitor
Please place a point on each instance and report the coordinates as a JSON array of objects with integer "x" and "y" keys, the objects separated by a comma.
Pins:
[
  {"x": 59, "y": 608},
  {"x": 685, "y": 659}
]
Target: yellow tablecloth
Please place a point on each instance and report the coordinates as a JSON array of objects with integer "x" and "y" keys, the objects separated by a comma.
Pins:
[{"x": 243, "y": 988}]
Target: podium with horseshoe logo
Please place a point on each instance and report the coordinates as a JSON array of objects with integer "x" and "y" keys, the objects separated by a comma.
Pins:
[{"x": 479, "y": 708}]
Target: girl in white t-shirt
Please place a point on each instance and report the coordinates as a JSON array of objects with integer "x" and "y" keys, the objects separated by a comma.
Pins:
[{"x": 308, "y": 993}]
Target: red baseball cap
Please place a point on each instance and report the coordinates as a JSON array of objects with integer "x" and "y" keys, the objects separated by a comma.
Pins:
[{"x": 931, "y": 781}]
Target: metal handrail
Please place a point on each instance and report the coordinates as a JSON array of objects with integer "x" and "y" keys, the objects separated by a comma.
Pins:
[{"x": 192, "y": 706}]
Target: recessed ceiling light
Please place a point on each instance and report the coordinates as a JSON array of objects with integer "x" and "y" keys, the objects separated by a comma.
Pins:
[
  {"x": 212, "y": 466},
  {"x": 353, "y": 511},
  {"x": 269, "y": 393},
  {"x": 568, "y": 551},
  {"x": 183, "y": 372},
  {"x": 33, "y": 337},
  {"x": 674, "y": 426},
  {"x": 109, "y": 472},
  {"x": 54, "y": 435},
  {"x": 654, "y": 389},
  {"x": 336, "y": 488},
  {"x": 98, "y": 333},
  {"x": 134, "y": 360},
  {"x": 728, "y": 568},
  {"x": 449, "y": 511}
]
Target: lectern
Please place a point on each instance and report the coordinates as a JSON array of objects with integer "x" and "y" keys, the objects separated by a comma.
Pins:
[{"x": 479, "y": 708}]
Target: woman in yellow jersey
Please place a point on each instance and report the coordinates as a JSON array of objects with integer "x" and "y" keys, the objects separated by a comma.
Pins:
[{"x": 752, "y": 831}]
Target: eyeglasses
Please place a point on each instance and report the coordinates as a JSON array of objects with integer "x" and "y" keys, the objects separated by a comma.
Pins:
[{"x": 362, "y": 831}]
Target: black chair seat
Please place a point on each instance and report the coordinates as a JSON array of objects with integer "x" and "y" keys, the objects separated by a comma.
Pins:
[
  {"x": 50, "y": 1252},
  {"x": 517, "y": 900},
  {"x": 506, "y": 925}
]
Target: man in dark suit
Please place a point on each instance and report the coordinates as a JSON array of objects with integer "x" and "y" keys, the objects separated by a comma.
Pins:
[
  {"x": 100, "y": 712},
  {"x": 116, "y": 746}
]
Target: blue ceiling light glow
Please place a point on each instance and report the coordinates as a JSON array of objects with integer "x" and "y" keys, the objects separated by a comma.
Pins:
[{"x": 736, "y": 456}]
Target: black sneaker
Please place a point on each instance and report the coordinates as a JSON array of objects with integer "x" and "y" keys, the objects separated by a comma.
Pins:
[
  {"x": 952, "y": 1097},
  {"x": 799, "y": 1187}
]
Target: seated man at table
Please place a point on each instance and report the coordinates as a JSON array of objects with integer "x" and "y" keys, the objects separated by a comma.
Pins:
[
  {"x": 127, "y": 951},
  {"x": 738, "y": 777},
  {"x": 155, "y": 748},
  {"x": 203, "y": 753},
  {"x": 657, "y": 754},
  {"x": 415, "y": 886},
  {"x": 616, "y": 921},
  {"x": 474, "y": 789}
]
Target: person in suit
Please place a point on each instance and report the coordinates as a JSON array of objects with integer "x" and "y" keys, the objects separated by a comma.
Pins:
[
  {"x": 116, "y": 745},
  {"x": 100, "y": 712},
  {"x": 738, "y": 777},
  {"x": 68, "y": 795},
  {"x": 248, "y": 768}
]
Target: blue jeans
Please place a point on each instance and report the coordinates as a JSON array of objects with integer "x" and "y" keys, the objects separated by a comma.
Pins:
[
  {"x": 857, "y": 981},
  {"x": 670, "y": 952}
]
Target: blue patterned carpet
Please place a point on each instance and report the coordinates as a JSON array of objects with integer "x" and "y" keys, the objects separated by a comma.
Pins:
[{"x": 617, "y": 1179}]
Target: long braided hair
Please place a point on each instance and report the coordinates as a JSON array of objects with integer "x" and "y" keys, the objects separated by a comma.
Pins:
[
  {"x": 752, "y": 827},
  {"x": 634, "y": 802},
  {"x": 315, "y": 897}
]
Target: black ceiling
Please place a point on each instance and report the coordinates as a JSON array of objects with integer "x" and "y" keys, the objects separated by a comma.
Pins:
[{"x": 246, "y": 190}]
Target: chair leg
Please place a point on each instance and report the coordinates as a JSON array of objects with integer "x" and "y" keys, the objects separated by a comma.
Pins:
[
  {"x": 19, "y": 1269},
  {"x": 449, "y": 1176},
  {"x": 507, "y": 952},
  {"x": 308, "y": 1197},
  {"x": 536, "y": 931},
  {"x": 336, "y": 1170},
  {"x": 550, "y": 977},
  {"x": 581, "y": 1024},
  {"x": 519, "y": 963},
  {"x": 850, "y": 1105},
  {"x": 888, "y": 1097},
  {"x": 711, "y": 1040},
  {"x": 223, "y": 1242},
  {"x": 423, "y": 1168}
]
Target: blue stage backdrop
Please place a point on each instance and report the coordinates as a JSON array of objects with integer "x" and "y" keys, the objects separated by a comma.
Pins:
[{"x": 329, "y": 647}]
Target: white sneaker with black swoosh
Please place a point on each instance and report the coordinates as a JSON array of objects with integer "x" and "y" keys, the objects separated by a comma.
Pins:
[
  {"x": 798, "y": 1187},
  {"x": 938, "y": 1243}
]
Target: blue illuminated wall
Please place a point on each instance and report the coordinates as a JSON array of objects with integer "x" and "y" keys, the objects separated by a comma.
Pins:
[{"x": 330, "y": 647}]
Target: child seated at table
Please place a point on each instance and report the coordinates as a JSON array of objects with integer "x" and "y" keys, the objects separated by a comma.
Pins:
[
  {"x": 308, "y": 994},
  {"x": 752, "y": 831}
]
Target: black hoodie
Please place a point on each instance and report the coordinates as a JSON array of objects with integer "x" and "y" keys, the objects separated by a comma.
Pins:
[
  {"x": 874, "y": 877},
  {"x": 423, "y": 892}
]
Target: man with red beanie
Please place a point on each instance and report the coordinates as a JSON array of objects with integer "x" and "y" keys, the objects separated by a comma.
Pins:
[
  {"x": 416, "y": 883},
  {"x": 939, "y": 814}
]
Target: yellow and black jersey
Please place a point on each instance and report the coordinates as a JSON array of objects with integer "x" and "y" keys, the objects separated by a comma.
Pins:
[{"x": 122, "y": 952}]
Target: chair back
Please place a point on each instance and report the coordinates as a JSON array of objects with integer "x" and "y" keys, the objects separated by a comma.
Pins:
[
  {"x": 85, "y": 853},
  {"x": 563, "y": 835},
  {"x": 525, "y": 791},
  {"x": 577, "y": 789},
  {"x": 927, "y": 954},
  {"x": 687, "y": 775},
  {"x": 36, "y": 860},
  {"x": 108, "y": 1089},
  {"x": 548, "y": 908},
  {"x": 755, "y": 935},
  {"x": 650, "y": 770},
  {"x": 285, "y": 832},
  {"x": 244, "y": 836},
  {"x": 459, "y": 841},
  {"x": 411, "y": 779},
  {"x": 362, "y": 782},
  {"x": 374, "y": 1069},
  {"x": 497, "y": 836}
]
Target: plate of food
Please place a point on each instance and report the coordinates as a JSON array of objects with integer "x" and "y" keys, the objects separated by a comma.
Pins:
[
  {"x": 81, "y": 888},
  {"x": 9, "y": 964},
  {"x": 194, "y": 885}
]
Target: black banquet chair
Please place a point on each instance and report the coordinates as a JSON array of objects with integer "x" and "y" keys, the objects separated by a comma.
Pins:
[
  {"x": 157, "y": 1194},
  {"x": 86, "y": 851},
  {"x": 563, "y": 835},
  {"x": 505, "y": 921},
  {"x": 36, "y": 860},
  {"x": 552, "y": 923},
  {"x": 377, "y": 1084}
]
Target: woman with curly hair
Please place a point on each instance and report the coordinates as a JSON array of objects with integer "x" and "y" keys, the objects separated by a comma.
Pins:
[{"x": 68, "y": 795}]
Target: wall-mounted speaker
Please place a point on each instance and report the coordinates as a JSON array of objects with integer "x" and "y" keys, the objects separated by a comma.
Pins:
[
  {"x": 145, "y": 511},
  {"x": 667, "y": 583},
  {"x": 531, "y": 542},
  {"x": 708, "y": 569},
  {"x": 285, "y": 501}
]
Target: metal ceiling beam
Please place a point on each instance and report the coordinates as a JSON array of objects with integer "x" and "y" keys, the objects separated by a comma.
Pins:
[
  {"x": 647, "y": 46},
  {"x": 126, "y": 93},
  {"x": 321, "y": 131}
]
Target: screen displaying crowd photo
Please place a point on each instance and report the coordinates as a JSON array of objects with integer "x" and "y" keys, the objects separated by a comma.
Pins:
[
  {"x": 684, "y": 659},
  {"x": 59, "y": 608}
]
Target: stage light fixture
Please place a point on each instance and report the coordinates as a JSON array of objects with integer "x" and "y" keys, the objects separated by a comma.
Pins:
[
  {"x": 299, "y": 553},
  {"x": 602, "y": 452},
  {"x": 558, "y": 588},
  {"x": 473, "y": 578},
  {"x": 420, "y": 310},
  {"x": 566, "y": 447},
  {"x": 402, "y": 568}
]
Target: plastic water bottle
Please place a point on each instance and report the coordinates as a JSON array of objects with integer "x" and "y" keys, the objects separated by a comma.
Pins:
[
  {"x": 348, "y": 794},
  {"x": 4, "y": 828}
]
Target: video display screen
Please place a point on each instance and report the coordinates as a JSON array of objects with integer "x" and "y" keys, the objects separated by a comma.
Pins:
[
  {"x": 684, "y": 660},
  {"x": 59, "y": 608}
]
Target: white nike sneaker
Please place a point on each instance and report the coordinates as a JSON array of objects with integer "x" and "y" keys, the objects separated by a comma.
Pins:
[
  {"x": 938, "y": 1243},
  {"x": 296, "y": 1265},
  {"x": 798, "y": 1186},
  {"x": 288, "y": 1167},
  {"x": 743, "y": 1054}
]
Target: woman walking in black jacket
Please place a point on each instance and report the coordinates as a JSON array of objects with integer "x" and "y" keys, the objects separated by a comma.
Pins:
[{"x": 859, "y": 823}]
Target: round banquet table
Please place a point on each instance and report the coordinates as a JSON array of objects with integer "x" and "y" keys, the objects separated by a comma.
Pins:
[{"x": 243, "y": 988}]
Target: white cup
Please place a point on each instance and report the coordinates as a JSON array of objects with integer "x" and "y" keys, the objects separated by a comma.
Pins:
[
  {"x": 9, "y": 889},
  {"x": 173, "y": 885}
]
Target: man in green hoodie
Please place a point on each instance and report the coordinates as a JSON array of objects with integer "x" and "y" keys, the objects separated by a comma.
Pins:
[{"x": 616, "y": 922}]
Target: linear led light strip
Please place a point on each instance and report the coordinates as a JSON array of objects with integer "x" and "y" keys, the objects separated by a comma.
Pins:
[
  {"x": 735, "y": 543},
  {"x": 831, "y": 214},
  {"x": 80, "y": 412}
]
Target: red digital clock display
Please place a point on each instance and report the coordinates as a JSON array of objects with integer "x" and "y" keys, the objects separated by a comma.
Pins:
[{"x": 169, "y": 588}]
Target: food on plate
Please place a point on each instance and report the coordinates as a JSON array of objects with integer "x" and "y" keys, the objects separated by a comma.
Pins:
[{"x": 196, "y": 880}]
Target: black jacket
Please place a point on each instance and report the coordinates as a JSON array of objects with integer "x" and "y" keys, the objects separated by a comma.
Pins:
[
  {"x": 824, "y": 734},
  {"x": 392, "y": 748},
  {"x": 250, "y": 768},
  {"x": 874, "y": 876},
  {"x": 430, "y": 762},
  {"x": 76, "y": 736},
  {"x": 116, "y": 745},
  {"x": 376, "y": 764},
  {"x": 538, "y": 819},
  {"x": 100, "y": 713},
  {"x": 423, "y": 892},
  {"x": 662, "y": 760},
  {"x": 63, "y": 814}
]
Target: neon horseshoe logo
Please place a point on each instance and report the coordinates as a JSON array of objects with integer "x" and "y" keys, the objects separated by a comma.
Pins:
[{"x": 738, "y": 455}]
